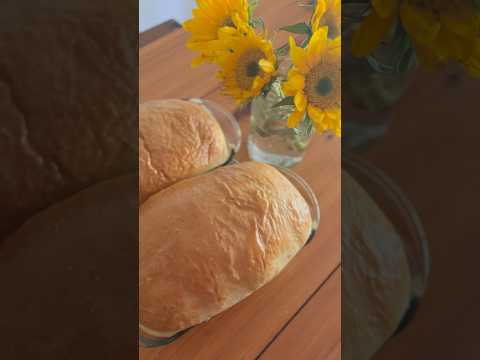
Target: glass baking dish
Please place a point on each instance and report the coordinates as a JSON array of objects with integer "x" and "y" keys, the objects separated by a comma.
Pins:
[
  {"x": 228, "y": 123},
  {"x": 150, "y": 340},
  {"x": 401, "y": 213},
  {"x": 307, "y": 193}
]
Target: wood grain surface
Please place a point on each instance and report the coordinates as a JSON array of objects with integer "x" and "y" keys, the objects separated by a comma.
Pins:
[
  {"x": 259, "y": 326},
  {"x": 304, "y": 338}
]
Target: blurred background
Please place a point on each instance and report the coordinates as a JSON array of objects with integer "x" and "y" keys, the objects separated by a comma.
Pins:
[{"x": 155, "y": 12}]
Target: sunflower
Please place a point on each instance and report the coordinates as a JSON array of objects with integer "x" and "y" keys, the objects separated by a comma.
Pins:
[
  {"x": 248, "y": 65},
  {"x": 210, "y": 18},
  {"x": 441, "y": 30},
  {"x": 315, "y": 82},
  {"x": 472, "y": 63},
  {"x": 328, "y": 13}
]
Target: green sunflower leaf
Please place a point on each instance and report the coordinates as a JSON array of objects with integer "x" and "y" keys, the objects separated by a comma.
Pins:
[
  {"x": 288, "y": 101},
  {"x": 300, "y": 28}
]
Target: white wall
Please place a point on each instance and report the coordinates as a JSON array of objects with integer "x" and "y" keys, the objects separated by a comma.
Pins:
[{"x": 154, "y": 12}]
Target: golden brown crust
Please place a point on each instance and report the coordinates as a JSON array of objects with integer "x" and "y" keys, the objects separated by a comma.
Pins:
[
  {"x": 70, "y": 272},
  {"x": 206, "y": 243},
  {"x": 56, "y": 137},
  {"x": 178, "y": 139},
  {"x": 376, "y": 283}
]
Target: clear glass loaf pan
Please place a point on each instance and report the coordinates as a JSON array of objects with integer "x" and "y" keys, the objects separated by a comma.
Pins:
[
  {"x": 402, "y": 214},
  {"x": 149, "y": 340}
]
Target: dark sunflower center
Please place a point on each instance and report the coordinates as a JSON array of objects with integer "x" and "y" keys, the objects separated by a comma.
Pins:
[
  {"x": 253, "y": 69},
  {"x": 247, "y": 68},
  {"x": 324, "y": 86}
]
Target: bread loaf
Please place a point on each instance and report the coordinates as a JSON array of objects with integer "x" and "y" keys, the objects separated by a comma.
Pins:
[
  {"x": 178, "y": 139},
  {"x": 68, "y": 100},
  {"x": 376, "y": 283},
  {"x": 208, "y": 242},
  {"x": 71, "y": 273}
]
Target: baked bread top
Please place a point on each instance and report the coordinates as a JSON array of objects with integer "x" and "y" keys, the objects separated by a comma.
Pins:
[
  {"x": 70, "y": 272},
  {"x": 68, "y": 101},
  {"x": 178, "y": 139},
  {"x": 376, "y": 282},
  {"x": 208, "y": 242}
]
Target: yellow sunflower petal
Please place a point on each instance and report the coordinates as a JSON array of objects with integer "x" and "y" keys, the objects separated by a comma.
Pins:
[
  {"x": 214, "y": 20},
  {"x": 327, "y": 13},
  {"x": 293, "y": 71},
  {"x": 295, "y": 118},
  {"x": 422, "y": 24},
  {"x": 257, "y": 86},
  {"x": 198, "y": 61},
  {"x": 370, "y": 33},
  {"x": 473, "y": 69},
  {"x": 472, "y": 64},
  {"x": 203, "y": 3},
  {"x": 450, "y": 45},
  {"x": 297, "y": 82},
  {"x": 187, "y": 25},
  {"x": 226, "y": 31},
  {"x": 335, "y": 44},
  {"x": 333, "y": 121},
  {"x": 288, "y": 90},
  {"x": 320, "y": 127},
  {"x": 266, "y": 66},
  {"x": 300, "y": 101},
  {"x": 426, "y": 55},
  {"x": 463, "y": 23},
  {"x": 293, "y": 84},
  {"x": 240, "y": 23},
  {"x": 316, "y": 115},
  {"x": 335, "y": 50},
  {"x": 320, "y": 9},
  {"x": 317, "y": 44},
  {"x": 385, "y": 8},
  {"x": 298, "y": 56}
]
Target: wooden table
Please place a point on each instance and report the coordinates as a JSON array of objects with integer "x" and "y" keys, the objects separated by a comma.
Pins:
[{"x": 298, "y": 314}]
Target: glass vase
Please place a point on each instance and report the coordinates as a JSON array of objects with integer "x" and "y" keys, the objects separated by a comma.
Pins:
[
  {"x": 372, "y": 85},
  {"x": 269, "y": 139}
]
